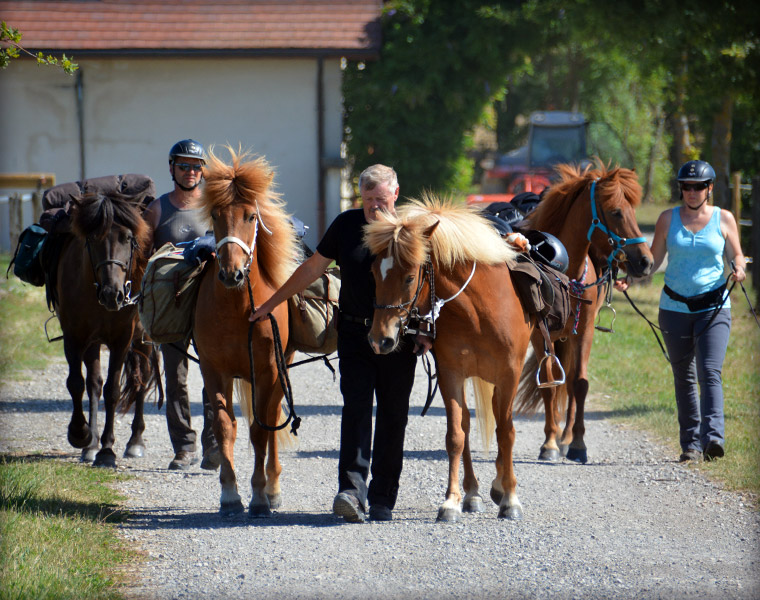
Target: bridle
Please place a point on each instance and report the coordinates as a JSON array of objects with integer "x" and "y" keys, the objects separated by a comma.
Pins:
[
  {"x": 231, "y": 239},
  {"x": 127, "y": 267}
]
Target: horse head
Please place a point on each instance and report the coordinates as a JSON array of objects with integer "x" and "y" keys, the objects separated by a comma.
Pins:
[
  {"x": 114, "y": 235},
  {"x": 251, "y": 228}
]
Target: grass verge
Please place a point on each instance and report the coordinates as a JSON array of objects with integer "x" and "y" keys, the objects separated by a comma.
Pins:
[{"x": 58, "y": 537}]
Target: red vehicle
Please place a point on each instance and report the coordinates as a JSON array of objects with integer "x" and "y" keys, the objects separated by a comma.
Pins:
[{"x": 525, "y": 182}]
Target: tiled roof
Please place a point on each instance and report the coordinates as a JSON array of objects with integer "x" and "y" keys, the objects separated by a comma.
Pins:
[{"x": 347, "y": 27}]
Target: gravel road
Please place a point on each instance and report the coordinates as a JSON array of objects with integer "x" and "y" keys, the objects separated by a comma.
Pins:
[{"x": 632, "y": 523}]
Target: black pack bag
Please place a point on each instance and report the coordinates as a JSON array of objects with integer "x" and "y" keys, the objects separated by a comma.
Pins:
[{"x": 26, "y": 261}]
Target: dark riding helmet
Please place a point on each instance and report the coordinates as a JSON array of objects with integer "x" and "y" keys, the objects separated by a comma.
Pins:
[
  {"x": 546, "y": 248},
  {"x": 187, "y": 149},
  {"x": 696, "y": 171}
]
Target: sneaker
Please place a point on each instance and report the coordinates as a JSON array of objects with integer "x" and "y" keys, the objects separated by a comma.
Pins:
[
  {"x": 378, "y": 512},
  {"x": 347, "y": 506},
  {"x": 714, "y": 450},
  {"x": 183, "y": 461},
  {"x": 691, "y": 455},
  {"x": 211, "y": 459}
]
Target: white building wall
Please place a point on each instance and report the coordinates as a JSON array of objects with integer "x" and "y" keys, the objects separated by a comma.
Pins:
[{"x": 134, "y": 110}]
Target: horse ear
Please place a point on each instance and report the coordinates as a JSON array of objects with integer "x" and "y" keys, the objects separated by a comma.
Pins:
[{"x": 429, "y": 230}]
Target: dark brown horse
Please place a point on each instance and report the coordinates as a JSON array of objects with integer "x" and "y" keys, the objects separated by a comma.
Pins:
[
  {"x": 592, "y": 212},
  {"x": 448, "y": 262},
  {"x": 101, "y": 265},
  {"x": 256, "y": 252}
]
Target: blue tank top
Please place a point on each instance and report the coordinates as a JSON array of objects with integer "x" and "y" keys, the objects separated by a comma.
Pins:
[{"x": 695, "y": 261}]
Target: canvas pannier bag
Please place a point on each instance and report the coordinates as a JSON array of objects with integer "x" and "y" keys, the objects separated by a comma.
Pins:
[
  {"x": 27, "y": 260},
  {"x": 313, "y": 315},
  {"x": 169, "y": 291}
]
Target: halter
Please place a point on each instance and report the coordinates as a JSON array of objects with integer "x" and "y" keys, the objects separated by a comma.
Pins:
[
  {"x": 128, "y": 300},
  {"x": 231, "y": 239}
]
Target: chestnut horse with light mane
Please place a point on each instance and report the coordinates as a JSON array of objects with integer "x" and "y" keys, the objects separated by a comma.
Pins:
[
  {"x": 483, "y": 332},
  {"x": 592, "y": 212},
  {"x": 256, "y": 251}
]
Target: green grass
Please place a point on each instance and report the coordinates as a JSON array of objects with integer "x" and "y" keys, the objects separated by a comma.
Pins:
[
  {"x": 58, "y": 537},
  {"x": 23, "y": 312},
  {"x": 635, "y": 384}
]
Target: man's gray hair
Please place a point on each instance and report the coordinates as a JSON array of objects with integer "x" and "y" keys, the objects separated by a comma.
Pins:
[{"x": 378, "y": 174}]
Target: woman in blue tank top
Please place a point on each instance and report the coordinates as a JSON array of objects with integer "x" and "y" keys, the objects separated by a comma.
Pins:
[{"x": 695, "y": 237}]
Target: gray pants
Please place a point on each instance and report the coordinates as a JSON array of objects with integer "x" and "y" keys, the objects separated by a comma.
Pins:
[
  {"x": 697, "y": 361},
  {"x": 181, "y": 433}
]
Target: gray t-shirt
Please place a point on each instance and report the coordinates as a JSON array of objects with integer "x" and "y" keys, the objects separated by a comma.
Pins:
[{"x": 178, "y": 225}]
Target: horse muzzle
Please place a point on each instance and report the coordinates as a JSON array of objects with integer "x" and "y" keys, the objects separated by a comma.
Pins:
[
  {"x": 113, "y": 298},
  {"x": 640, "y": 264},
  {"x": 384, "y": 342},
  {"x": 232, "y": 278}
]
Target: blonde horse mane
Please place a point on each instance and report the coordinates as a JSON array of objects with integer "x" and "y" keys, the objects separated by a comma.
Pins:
[
  {"x": 462, "y": 234},
  {"x": 618, "y": 184},
  {"x": 248, "y": 180}
]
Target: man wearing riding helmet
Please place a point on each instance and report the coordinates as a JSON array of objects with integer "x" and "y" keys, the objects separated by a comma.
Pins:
[
  {"x": 177, "y": 217},
  {"x": 695, "y": 311}
]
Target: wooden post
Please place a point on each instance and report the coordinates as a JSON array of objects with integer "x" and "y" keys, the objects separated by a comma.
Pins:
[
  {"x": 15, "y": 219},
  {"x": 737, "y": 198}
]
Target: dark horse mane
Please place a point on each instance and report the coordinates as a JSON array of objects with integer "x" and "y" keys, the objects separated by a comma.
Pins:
[{"x": 618, "y": 184}]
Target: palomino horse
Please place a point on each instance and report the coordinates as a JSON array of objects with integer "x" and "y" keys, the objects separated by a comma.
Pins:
[
  {"x": 592, "y": 212},
  {"x": 256, "y": 252},
  {"x": 482, "y": 330},
  {"x": 101, "y": 264}
]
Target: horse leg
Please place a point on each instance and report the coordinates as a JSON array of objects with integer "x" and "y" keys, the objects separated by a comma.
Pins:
[
  {"x": 473, "y": 501},
  {"x": 140, "y": 361},
  {"x": 550, "y": 449},
  {"x": 106, "y": 457},
  {"x": 79, "y": 433},
  {"x": 577, "y": 451},
  {"x": 94, "y": 385},
  {"x": 504, "y": 487},
  {"x": 452, "y": 392},
  {"x": 220, "y": 396}
]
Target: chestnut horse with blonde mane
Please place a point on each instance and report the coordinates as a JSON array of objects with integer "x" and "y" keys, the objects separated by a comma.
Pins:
[
  {"x": 101, "y": 264},
  {"x": 483, "y": 332},
  {"x": 592, "y": 212},
  {"x": 256, "y": 251}
]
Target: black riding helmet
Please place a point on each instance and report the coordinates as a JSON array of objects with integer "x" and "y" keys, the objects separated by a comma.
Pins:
[
  {"x": 697, "y": 171},
  {"x": 186, "y": 149},
  {"x": 546, "y": 248}
]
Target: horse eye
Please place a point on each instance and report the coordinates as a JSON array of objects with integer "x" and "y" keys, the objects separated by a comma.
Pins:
[
  {"x": 252, "y": 218},
  {"x": 617, "y": 213},
  {"x": 410, "y": 280}
]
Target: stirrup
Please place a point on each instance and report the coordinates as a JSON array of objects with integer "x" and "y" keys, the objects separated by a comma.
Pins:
[
  {"x": 599, "y": 318},
  {"x": 553, "y": 382},
  {"x": 47, "y": 335}
]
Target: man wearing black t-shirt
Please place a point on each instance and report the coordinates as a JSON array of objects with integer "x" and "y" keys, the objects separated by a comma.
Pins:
[{"x": 364, "y": 375}]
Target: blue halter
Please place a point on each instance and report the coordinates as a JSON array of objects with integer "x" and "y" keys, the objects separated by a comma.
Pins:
[{"x": 615, "y": 240}]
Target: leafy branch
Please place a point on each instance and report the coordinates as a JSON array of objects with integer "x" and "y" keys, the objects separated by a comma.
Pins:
[{"x": 10, "y": 40}]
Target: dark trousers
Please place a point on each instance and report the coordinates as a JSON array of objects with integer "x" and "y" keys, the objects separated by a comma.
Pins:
[
  {"x": 697, "y": 352},
  {"x": 181, "y": 433},
  {"x": 365, "y": 375}
]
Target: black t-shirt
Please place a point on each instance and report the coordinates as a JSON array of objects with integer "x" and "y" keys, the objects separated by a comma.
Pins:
[{"x": 342, "y": 243}]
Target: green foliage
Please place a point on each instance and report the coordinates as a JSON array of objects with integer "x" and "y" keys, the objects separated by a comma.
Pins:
[
  {"x": 11, "y": 48},
  {"x": 441, "y": 63}
]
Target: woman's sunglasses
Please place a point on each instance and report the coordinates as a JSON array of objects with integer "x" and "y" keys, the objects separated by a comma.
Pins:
[
  {"x": 184, "y": 167},
  {"x": 694, "y": 187}
]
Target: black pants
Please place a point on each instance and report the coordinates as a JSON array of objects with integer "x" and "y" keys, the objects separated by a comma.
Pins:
[
  {"x": 181, "y": 433},
  {"x": 365, "y": 375}
]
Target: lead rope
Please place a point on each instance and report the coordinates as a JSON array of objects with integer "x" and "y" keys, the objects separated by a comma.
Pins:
[{"x": 282, "y": 372}]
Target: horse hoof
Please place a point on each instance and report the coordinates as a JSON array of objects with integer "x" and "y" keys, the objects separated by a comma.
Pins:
[
  {"x": 448, "y": 515},
  {"x": 576, "y": 455},
  {"x": 134, "y": 451},
  {"x": 473, "y": 505},
  {"x": 88, "y": 455},
  {"x": 549, "y": 454},
  {"x": 105, "y": 458},
  {"x": 259, "y": 511},
  {"x": 496, "y": 496},
  {"x": 229, "y": 510},
  {"x": 513, "y": 513},
  {"x": 563, "y": 448},
  {"x": 275, "y": 501}
]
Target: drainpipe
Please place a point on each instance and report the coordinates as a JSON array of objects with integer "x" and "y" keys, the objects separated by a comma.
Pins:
[
  {"x": 321, "y": 198},
  {"x": 79, "y": 87}
]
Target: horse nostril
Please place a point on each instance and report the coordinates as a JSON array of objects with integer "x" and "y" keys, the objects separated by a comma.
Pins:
[
  {"x": 239, "y": 275},
  {"x": 386, "y": 345},
  {"x": 221, "y": 275}
]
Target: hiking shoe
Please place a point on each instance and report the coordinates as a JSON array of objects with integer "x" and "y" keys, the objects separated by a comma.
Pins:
[
  {"x": 714, "y": 450},
  {"x": 347, "y": 506},
  {"x": 211, "y": 459},
  {"x": 691, "y": 455},
  {"x": 378, "y": 512},
  {"x": 183, "y": 461}
]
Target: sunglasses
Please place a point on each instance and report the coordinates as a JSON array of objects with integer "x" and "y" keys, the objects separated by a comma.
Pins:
[
  {"x": 694, "y": 187},
  {"x": 184, "y": 167}
]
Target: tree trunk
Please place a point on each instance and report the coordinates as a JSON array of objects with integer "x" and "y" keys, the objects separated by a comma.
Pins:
[
  {"x": 650, "y": 170},
  {"x": 721, "y": 151}
]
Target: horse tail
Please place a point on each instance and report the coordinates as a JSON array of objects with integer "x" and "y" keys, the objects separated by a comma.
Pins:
[
  {"x": 528, "y": 397},
  {"x": 138, "y": 376},
  {"x": 244, "y": 394},
  {"x": 483, "y": 392}
]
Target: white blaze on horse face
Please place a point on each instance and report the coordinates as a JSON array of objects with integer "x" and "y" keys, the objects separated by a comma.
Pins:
[{"x": 386, "y": 265}]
